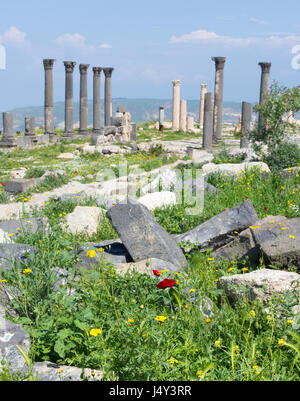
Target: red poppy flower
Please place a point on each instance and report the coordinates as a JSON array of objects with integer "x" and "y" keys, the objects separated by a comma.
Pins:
[
  {"x": 166, "y": 283},
  {"x": 265, "y": 208},
  {"x": 156, "y": 272},
  {"x": 225, "y": 210},
  {"x": 75, "y": 172},
  {"x": 204, "y": 218},
  {"x": 31, "y": 176},
  {"x": 2, "y": 183}
]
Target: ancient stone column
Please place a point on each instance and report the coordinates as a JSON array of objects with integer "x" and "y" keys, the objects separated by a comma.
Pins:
[
  {"x": 96, "y": 100},
  {"x": 108, "y": 97},
  {"x": 83, "y": 130},
  {"x": 218, "y": 103},
  {"x": 69, "y": 101},
  {"x": 246, "y": 124},
  {"x": 190, "y": 124},
  {"x": 183, "y": 108},
  {"x": 30, "y": 126},
  {"x": 264, "y": 84},
  {"x": 176, "y": 105},
  {"x": 48, "y": 105},
  {"x": 161, "y": 118},
  {"x": 202, "y": 99},
  {"x": 208, "y": 121},
  {"x": 8, "y": 136},
  {"x": 290, "y": 117}
]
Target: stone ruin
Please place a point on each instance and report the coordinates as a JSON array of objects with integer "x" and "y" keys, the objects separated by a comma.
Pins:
[{"x": 121, "y": 129}]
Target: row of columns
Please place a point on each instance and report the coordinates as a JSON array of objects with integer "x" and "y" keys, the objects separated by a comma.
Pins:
[
  {"x": 178, "y": 120},
  {"x": 69, "y": 98},
  {"x": 212, "y": 106}
]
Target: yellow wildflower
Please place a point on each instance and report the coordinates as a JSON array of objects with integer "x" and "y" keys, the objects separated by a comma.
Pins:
[
  {"x": 91, "y": 254},
  {"x": 95, "y": 332},
  {"x": 26, "y": 271},
  {"x": 161, "y": 318},
  {"x": 281, "y": 342}
]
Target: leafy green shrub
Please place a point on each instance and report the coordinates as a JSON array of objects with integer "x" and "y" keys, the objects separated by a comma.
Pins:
[
  {"x": 282, "y": 156},
  {"x": 34, "y": 172}
]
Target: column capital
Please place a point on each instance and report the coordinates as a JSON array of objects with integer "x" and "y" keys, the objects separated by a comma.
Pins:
[
  {"x": 266, "y": 67},
  {"x": 176, "y": 82},
  {"x": 48, "y": 63},
  {"x": 220, "y": 62},
  {"x": 204, "y": 86},
  {"x": 97, "y": 70},
  {"x": 69, "y": 65},
  {"x": 83, "y": 68},
  {"x": 108, "y": 71}
]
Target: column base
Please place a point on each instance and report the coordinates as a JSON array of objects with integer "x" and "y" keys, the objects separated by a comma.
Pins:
[
  {"x": 8, "y": 143},
  {"x": 83, "y": 132}
]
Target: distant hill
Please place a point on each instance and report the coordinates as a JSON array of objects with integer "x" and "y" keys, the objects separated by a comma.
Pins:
[{"x": 141, "y": 110}]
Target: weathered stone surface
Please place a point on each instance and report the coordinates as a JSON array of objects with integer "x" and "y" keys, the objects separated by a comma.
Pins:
[
  {"x": 200, "y": 156},
  {"x": 158, "y": 199},
  {"x": 216, "y": 231},
  {"x": 198, "y": 184},
  {"x": 18, "y": 252},
  {"x": 259, "y": 284},
  {"x": 21, "y": 185},
  {"x": 234, "y": 169},
  {"x": 243, "y": 246},
  {"x": 146, "y": 266},
  {"x": 11, "y": 335},
  {"x": 48, "y": 371},
  {"x": 69, "y": 156},
  {"x": 113, "y": 251},
  {"x": 4, "y": 238},
  {"x": 83, "y": 220},
  {"x": 280, "y": 243},
  {"x": 143, "y": 237},
  {"x": 22, "y": 226}
]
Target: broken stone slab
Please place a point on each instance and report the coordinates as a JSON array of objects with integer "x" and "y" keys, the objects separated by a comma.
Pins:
[
  {"x": 280, "y": 243},
  {"x": 260, "y": 284},
  {"x": 158, "y": 200},
  {"x": 12, "y": 334},
  {"x": 200, "y": 156},
  {"x": 243, "y": 246},
  {"x": 14, "y": 252},
  {"x": 48, "y": 371},
  {"x": 21, "y": 185},
  {"x": 146, "y": 266},
  {"x": 22, "y": 226},
  {"x": 234, "y": 169},
  {"x": 67, "y": 156},
  {"x": 218, "y": 230},
  {"x": 83, "y": 220},
  {"x": 142, "y": 236}
]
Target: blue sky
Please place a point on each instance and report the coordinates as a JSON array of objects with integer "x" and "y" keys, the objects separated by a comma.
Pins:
[{"x": 149, "y": 43}]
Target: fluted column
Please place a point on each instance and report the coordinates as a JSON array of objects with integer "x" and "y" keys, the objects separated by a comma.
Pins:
[
  {"x": 69, "y": 101},
  {"x": 96, "y": 100},
  {"x": 8, "y": 136},
  {"x": 83, "y": 130},
  {"x": 202, "y": 99},
  {"x": 176, "y": 105},
  {"x": 48, "y": 105},
  {"x": 218, "y": 104},
  {"x": 264, "y": 85},
  {"x": 108, "y": 96},
  {"x": 208, "y": 122},
  {"x": 246, "y": 123}
]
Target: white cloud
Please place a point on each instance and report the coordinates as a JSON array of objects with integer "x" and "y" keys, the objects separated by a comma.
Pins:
[
  {"x": 74, "y": 40},
  {"x": 14, "y": 37},
  {"x": 206, "y": 37},
  {"x": 258, "y": 21},
  {"x": 105, "y": 46}
]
